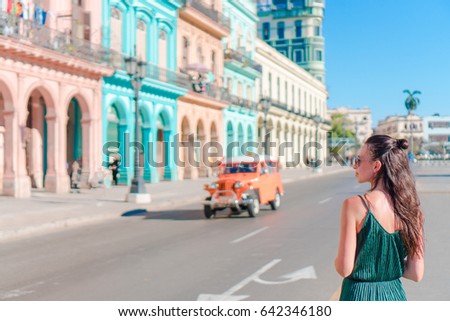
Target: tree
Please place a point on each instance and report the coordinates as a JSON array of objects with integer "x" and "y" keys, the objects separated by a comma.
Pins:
[
  {"x": 340, "y": 125},
  {"x": 411, "y": 102}
]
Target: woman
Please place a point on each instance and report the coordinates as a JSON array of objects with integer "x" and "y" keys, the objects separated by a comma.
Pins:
[{"x": 381, "y": 231}]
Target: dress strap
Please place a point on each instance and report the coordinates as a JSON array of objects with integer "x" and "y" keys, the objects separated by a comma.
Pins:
[{"x": 364, "y": 202}]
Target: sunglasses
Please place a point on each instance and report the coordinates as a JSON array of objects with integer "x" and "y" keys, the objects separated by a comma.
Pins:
[{"x": 358, "y": 161}]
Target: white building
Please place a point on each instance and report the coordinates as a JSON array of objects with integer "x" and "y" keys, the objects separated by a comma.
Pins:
[
  {"x": 296, "y": 98},
  {"x": 360, "y": 121},
  {"x": 403, "y": 127},
  {"x": 436, "y": 131}
]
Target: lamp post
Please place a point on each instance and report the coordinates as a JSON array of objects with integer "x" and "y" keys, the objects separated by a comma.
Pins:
[
  {"x": 317, "y": 119},
  {"x": 266, "y": 104},
  {"x": 137, "y": 69}
]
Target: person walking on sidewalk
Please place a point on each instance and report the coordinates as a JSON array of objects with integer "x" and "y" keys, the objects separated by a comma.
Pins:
[
  {"x": 114, "y": 166},
  {"x": 381, "y": 236}
]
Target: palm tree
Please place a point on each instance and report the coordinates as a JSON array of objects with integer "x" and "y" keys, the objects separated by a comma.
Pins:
[{"x": 411, "y": 103}]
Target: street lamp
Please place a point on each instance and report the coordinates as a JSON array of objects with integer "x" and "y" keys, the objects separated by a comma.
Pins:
[
  {"x": 266, "y": 104},
  {"x": 137, "y": 69},
  {"x": 317, "y": 119}
]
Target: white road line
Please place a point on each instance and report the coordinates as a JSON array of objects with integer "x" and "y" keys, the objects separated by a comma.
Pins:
[
  {"x": 249, "y": 235},
  {"x": 325, "y": 200}
]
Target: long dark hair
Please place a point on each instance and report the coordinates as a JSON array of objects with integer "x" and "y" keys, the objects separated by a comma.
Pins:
[{"x": 399, "y": 183}]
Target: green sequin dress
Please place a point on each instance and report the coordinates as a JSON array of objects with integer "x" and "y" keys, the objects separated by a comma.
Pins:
[{"x": 379, "y": 264}]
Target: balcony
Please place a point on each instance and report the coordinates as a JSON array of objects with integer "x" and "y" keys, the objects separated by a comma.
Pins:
[
  {"x": 242, "y": 102},
  {"x": 26, "y": 32},
  {"x": 154, "y": 72},
  {"x": 242, "y": 63},
  {"x": 195, "y": 11}
]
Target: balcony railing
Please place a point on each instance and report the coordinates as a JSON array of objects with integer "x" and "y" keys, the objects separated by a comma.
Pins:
[
  {"x": 242, "y": 102},
  {"x": 209, "y": 11},
  {"x": 155, "y": 72},
  {"x": 28, "y": 31},
  {"x": 231, "y": 54}
]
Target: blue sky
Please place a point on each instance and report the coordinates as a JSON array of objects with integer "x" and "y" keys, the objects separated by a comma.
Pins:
[{"x": 377, "y": 48}]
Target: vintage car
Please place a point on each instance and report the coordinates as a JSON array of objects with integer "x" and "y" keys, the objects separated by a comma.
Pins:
[{"x": 245, "y": 183}]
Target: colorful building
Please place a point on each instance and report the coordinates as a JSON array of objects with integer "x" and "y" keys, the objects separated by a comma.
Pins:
[
  {"x": 201, "y": 27},
  {"x": 50, "y": 95},
  {"x": 240, "y": 76},
  {"x": 296, "y": 115},
  {"x": 294, "y": 28},
  {"x": 147, "y": 30}
]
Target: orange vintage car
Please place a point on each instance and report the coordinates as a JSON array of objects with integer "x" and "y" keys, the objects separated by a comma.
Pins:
[{"x": 245, "y": 183}]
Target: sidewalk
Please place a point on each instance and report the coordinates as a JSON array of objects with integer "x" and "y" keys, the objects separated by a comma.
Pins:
[{"x": 45, "y": 212}]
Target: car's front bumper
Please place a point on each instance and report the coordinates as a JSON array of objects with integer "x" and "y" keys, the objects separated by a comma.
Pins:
[{"x": 226, "y": 199}]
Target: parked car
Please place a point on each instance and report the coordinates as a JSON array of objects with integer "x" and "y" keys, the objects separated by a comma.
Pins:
[{"x": 244, "y": 184}]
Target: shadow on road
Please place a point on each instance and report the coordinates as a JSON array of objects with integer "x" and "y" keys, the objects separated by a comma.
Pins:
[
  {"x": 186, "y": 215},
  {"x": 432, "y": 175}
]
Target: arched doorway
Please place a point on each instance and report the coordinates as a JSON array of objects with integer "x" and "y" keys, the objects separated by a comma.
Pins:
[
  {"x": 250, "y": 140},
  {"x": 144, "y": 138},
  {"x": 241, "y": 138},
  {"x": 162, "y": 147},
  {"x": 230, "y": 140},
  {"x": 215, "y": 149},
  {"x": 201, "y": 138},
  {"x": 36, "y": 140},
  {"x": 74, "y": 146},
  {"x": 115, "y": 132},
  {"x": 186, "y": 171}
]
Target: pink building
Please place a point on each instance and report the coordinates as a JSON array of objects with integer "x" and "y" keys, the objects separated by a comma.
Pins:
[
  {"x": 50, "y": 94},
  {"x": 201, "y": 27}
]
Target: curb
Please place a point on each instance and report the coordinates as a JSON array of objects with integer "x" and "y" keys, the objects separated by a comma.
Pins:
[{"x": 72, "y": 222}]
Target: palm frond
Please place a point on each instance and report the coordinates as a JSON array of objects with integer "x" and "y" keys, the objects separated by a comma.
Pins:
[
  {"x": 406, "y": 91},
  {"x": 418, "y": 92}
]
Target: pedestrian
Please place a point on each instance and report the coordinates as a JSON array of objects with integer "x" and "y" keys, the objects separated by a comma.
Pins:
[
  {"x": 114, "y": 166},
  {"x": 74, "y": 178},
  {"x": 381, "y": 237}
]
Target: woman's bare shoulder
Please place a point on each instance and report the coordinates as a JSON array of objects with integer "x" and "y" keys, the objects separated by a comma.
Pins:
[{"x": 354, "y": 207}]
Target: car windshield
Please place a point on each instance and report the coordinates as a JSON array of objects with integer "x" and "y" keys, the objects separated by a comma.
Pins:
[{"x": 239, "y": 168}]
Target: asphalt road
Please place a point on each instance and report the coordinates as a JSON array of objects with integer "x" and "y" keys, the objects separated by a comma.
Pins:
[{"x": 180, "y": 255}]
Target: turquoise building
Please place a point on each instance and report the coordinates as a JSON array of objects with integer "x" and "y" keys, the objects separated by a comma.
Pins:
[
  {"x": 294, "y": 28},
  {"x": 146, "y": 29},
  {"x": 240, "y": 76}
]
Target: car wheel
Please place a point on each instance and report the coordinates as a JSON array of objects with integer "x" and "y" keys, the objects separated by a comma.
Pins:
[
  {"x": 275, "y": 204},
  {"x": 254, "y": 207},
  {"x": 209, "y": 212}
]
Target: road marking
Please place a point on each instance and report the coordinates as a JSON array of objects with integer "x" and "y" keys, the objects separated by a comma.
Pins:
[
  {"x": 249, "y": 235},
  {"x": 356, "y": 186},
  {"x": 325, "y": 200},
  {"x": 305, "y": 273}
]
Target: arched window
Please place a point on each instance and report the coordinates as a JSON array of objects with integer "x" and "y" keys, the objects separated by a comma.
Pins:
[
  {"x": 213, "y": 62},
  {"x": 116, "y": 29},
  {"x": 141, "y": 40},
  {"x": 199, "y": 55},
  {"x": 185, "y": 58},
  {"x": 162, "y": 44}
]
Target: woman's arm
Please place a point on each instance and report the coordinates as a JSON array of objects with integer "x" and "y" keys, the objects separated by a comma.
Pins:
[
  {"x": 415, "y": 264},
  {"x": 414, "y": 268},
  {"x": 345, "y": 259}
]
